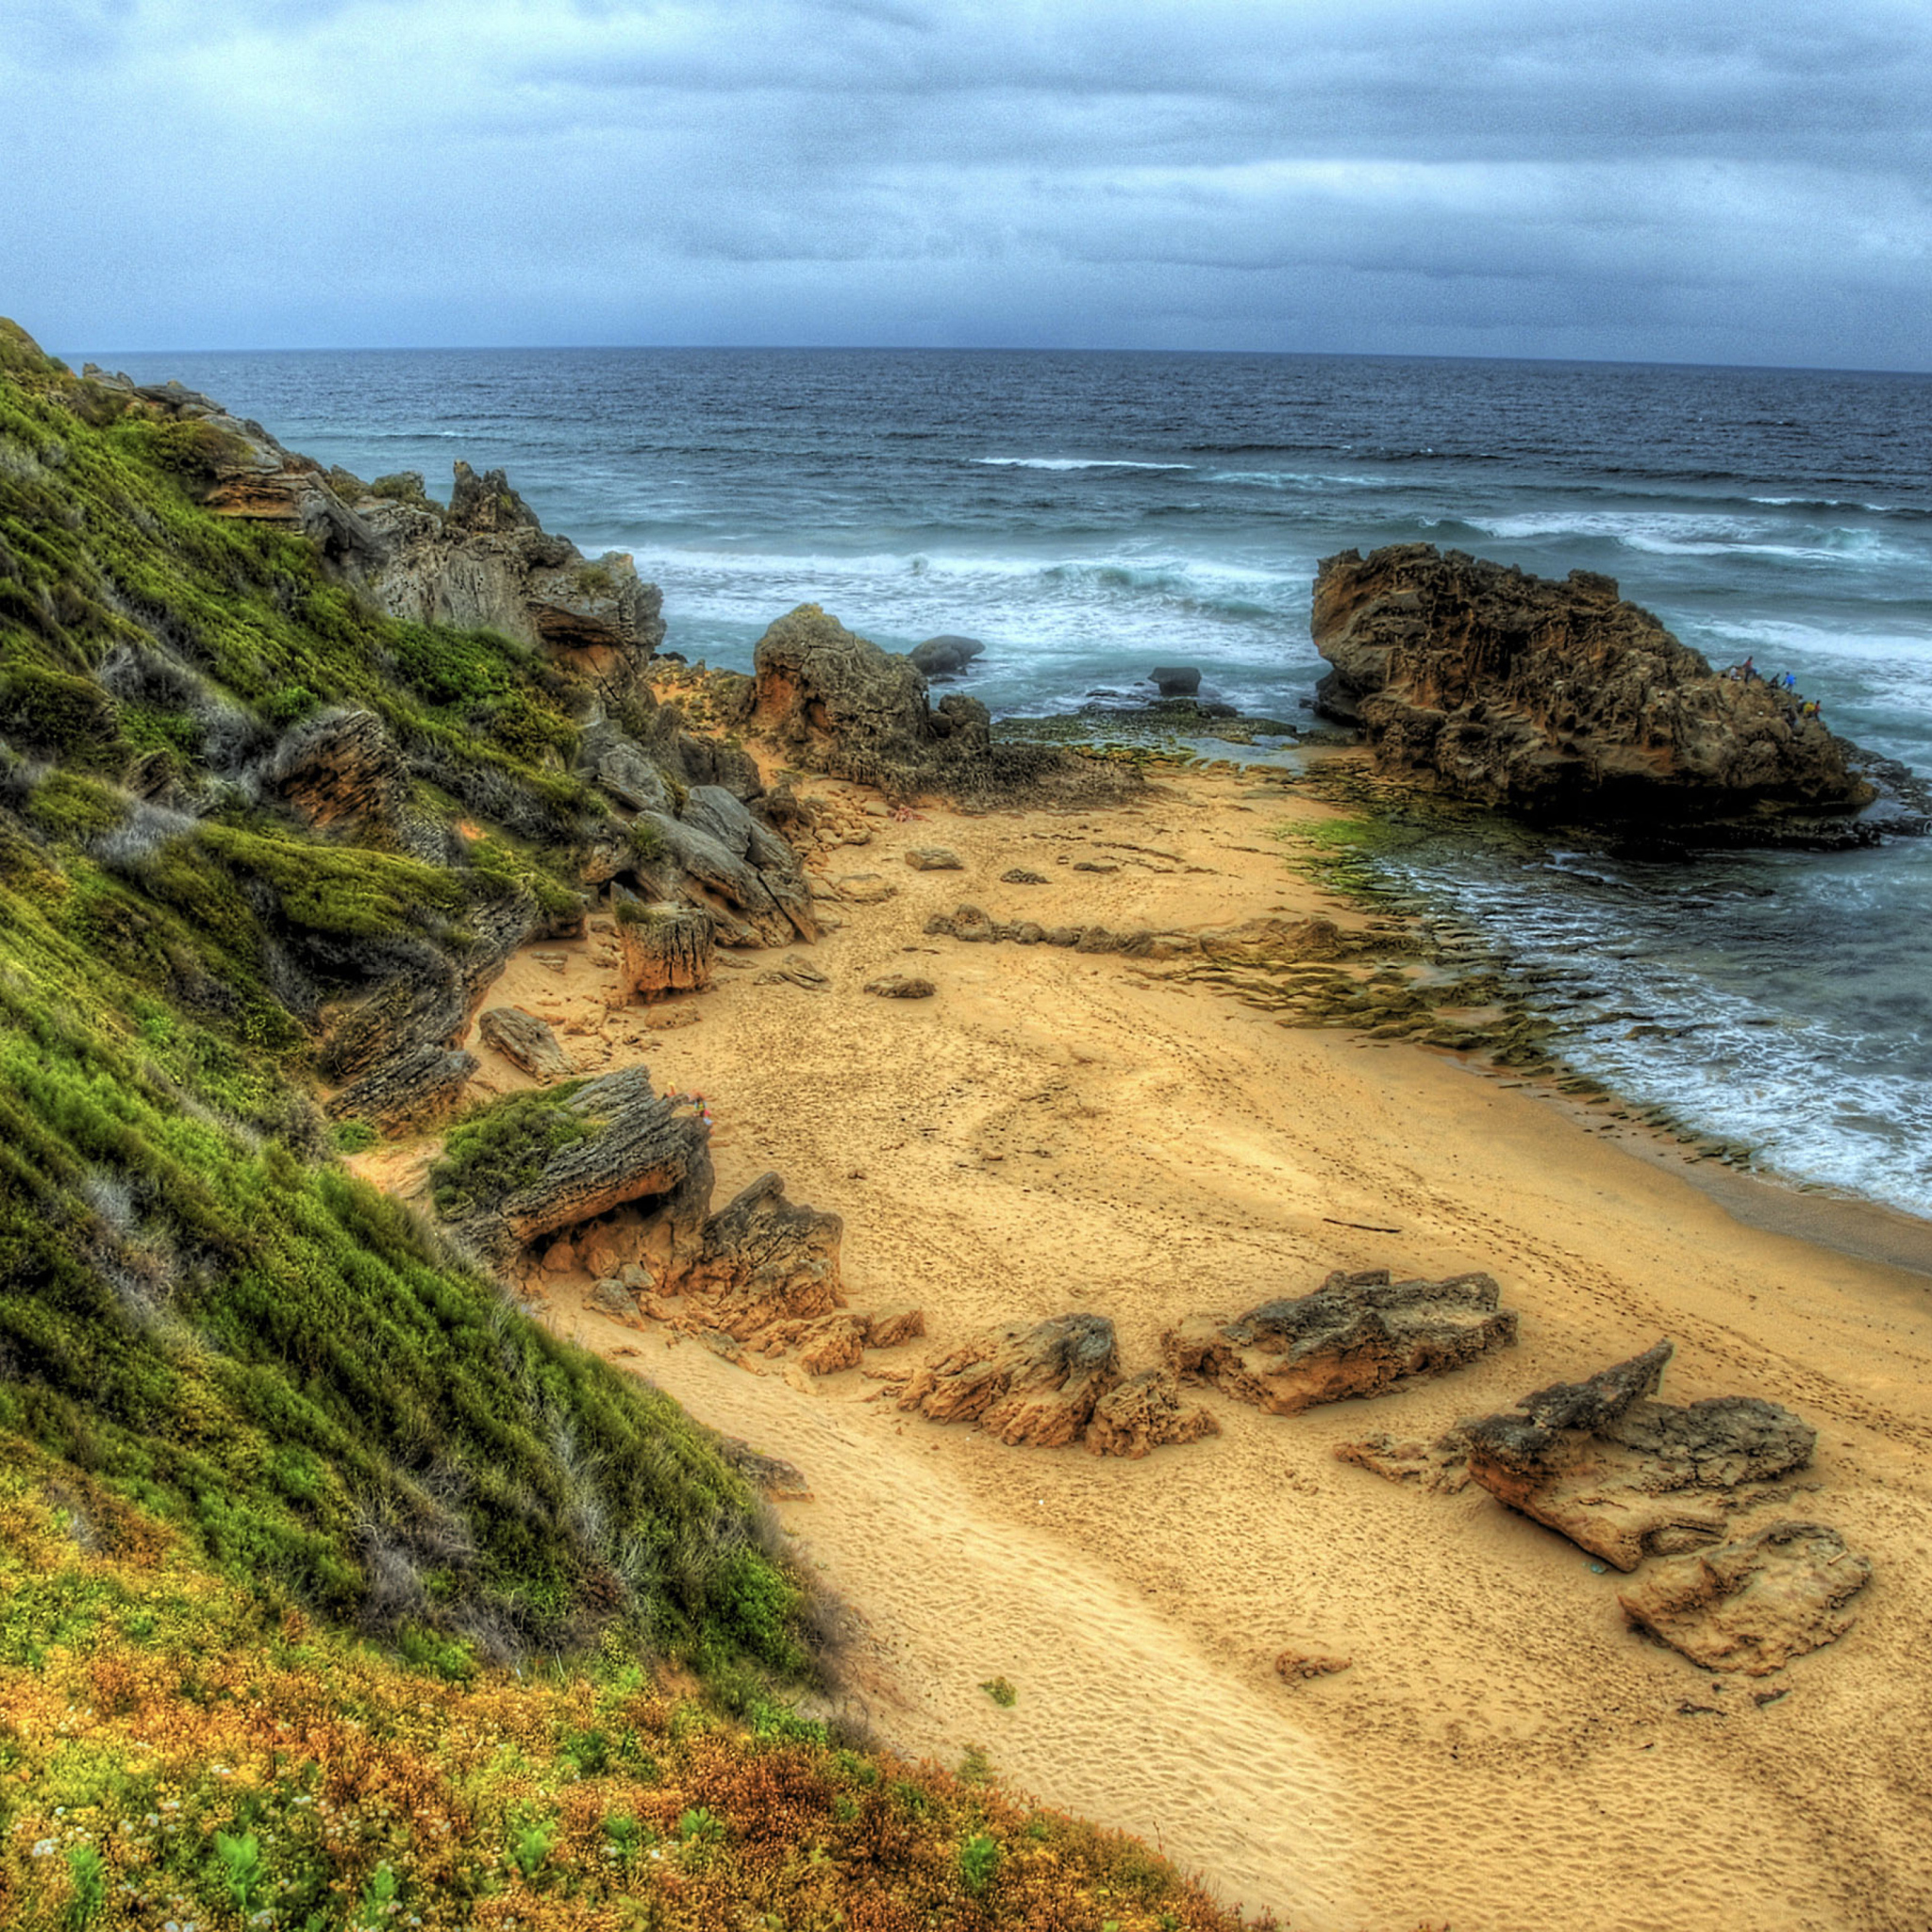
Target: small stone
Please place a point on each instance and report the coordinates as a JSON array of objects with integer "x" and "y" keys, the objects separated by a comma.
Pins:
[
  {"x": 864, "y": 889},
  {"x": 1099, "y": 865},
  {"x": 1018, "y": 875},
  {"x": 934, "y": 858},
  {"x": 1293, "y": 1664},
  {"x": 901, "y": 986}
]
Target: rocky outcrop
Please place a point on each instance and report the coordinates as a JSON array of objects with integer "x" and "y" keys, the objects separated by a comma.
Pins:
[
  {"x": 716, "y": 844},
  {"x": 641, "y": 1146},
  {"x": 1561, "y": 699},
  {"x": 664, "y": 949},
  {"x": 1142, "y": 1413},
  {"x": 340, "y": 768},
  {"x": 1037, "y": 1384},
  {"x": 1624, "y": 1476},
  {"x": 1439, "y": 1464},
  {"x": 1754, "y": 1604},
  {"x": 526, "y": 1041},
  {"x": 1357, "y": 1335},
  {"x": 833, "y": 702},
  {"x": 487, "y": 563},
  {"x": 944, "y": 657},
  {"x": 239, "y": 470},
  {"x": 764, "y": 1260},
  {"x": 407, "y": 1089}
]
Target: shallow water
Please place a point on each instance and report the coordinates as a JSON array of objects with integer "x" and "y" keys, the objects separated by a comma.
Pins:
[{"x": 1088, "y": 516}]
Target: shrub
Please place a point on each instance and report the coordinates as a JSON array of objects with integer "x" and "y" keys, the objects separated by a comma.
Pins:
[{"x": 505, "y": 1148}]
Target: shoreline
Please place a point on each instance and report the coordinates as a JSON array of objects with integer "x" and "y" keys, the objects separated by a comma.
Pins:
[{"x": 1056, "y": 1131}]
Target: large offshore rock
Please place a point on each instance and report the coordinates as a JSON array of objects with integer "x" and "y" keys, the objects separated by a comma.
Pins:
[
  {"x": 1037, "y": 1383},
  {"x": 1624, "y": 1476},
  {"x": 665, "y": 949},
  {"x": 1560, "y": 698},
  {"x": 764, "y": 1260},
  {"x": 834, "y": 702},
  {"x": 1754, "y": 1604},
  {"x": 1357, "y": 1335},
  {"x": 642, "y": 1147},
  {"x": 944, "y": 657}
]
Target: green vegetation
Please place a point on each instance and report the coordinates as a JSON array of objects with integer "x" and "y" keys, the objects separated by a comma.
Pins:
[
  {"x": 1001, "y": 1691},
  {"x": 503, "y": 1147},
  {"x": 334, "y": 1591}
]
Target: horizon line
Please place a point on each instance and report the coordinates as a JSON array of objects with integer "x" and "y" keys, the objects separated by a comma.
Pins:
[{"x": 1000, "y": 349}]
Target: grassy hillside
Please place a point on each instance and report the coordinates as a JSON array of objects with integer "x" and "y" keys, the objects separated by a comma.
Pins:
[{"x": 333, "y": 1592}]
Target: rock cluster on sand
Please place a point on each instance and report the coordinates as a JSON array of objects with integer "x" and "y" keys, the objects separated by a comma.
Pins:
[
  {"x": 1051, "y": 1383},
  {"x": 1628, "y": 1477},
  {"x": 1253, "y": 940},
  {"x": 1356, "y": 1335},
  {"x": 833, "y": 702},
  {"x": 1560, "y": 698}
]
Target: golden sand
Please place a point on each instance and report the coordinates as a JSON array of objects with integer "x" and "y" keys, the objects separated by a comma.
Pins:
[{"x": 1057, "y": 1131}]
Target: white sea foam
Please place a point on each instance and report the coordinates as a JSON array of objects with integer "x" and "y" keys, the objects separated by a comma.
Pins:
[{"x": 1072, "y": 464}]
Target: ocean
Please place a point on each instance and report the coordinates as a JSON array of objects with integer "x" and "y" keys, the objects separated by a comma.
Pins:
[{"x": 1088, "y": 516}]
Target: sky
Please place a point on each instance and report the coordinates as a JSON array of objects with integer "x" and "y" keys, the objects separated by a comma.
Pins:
[{"x": 1699, "y": 180}]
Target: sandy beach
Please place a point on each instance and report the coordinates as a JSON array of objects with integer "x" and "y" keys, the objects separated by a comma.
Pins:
[{"x": 1055, "y": 1131}]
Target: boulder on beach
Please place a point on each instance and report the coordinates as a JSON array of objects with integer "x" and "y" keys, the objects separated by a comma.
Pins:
[
  {"x": 1561, "y": 698},
  {"x": 1176, "y": 680},
  {"x": 1356, "y": 1335},
  {"x": 1625, "y": 1476}
]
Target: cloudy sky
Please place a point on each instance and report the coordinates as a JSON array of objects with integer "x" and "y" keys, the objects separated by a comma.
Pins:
[{"x": 1697, "y": 181}]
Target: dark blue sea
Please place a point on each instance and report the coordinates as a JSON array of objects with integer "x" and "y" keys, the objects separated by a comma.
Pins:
[{"x": 1091, "y": 515}]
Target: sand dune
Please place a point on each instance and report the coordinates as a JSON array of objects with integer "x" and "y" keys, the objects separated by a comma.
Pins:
[{"x": 1055, "y": 1131}]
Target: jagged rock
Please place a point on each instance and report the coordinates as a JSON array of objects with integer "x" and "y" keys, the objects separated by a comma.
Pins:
[
  {"x": 664, "y": 949},
  {"x": 834, "y": 702},
  {"x": 765, "y": 1259},
  {"x": 341, "y": 769},
  {"x": 1307, "y": 1665},
  {"x": 645, "y": 1147},
  {"x": 1754, "y": 1604},
  {"x": 1018, "y": 875},
  {"x": 487, "y": 563},
  {"x": 1176, "y": 680},
  {"x": 1104, "y": 867},
  {"x": 901, "y": 986},
  {"x": 892, "y": 1327},
  {"x": 1626, "y": 1477},
  {"x": 1143, "y": 1413},
  {"x": 864, "y": 889},
  {"x": 1356, "y": 1335},
  {"x": 718, "y": 843},
  {"x": 407, "y": 1089},
  {"x": 528, "y": 1041},
  {"x": 1560, "y": 698},
  {"x": 934, "y": 858},
  {"x": 944, "y": 657},
  {"x": 1021, "y": 1383},
  {"x": 1440, "y": 1465},
  {"x": 610, "y": 758},
  {"x": 832, "y": 1344}
]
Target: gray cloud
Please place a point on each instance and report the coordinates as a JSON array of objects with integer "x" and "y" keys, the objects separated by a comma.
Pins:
[{"x": 1436, "y": 176}]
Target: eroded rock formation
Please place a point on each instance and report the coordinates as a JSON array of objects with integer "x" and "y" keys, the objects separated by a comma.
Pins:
[
  {"x": 665, "y": 948},
  {"x": 1754, "y": 1604},
  {"x": 1142, "y": 1413},
  {"x": 1560, "y": 698},
  {"x": 525, "y": 1040},
  {"x": 1624, "y": 1476},
  {"x": 764, "y": 1260},
  {"x": 1357, "y": 1335},
  {"x": 834, "y": 702},
  {"x": 1035, "y": 1383}
]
